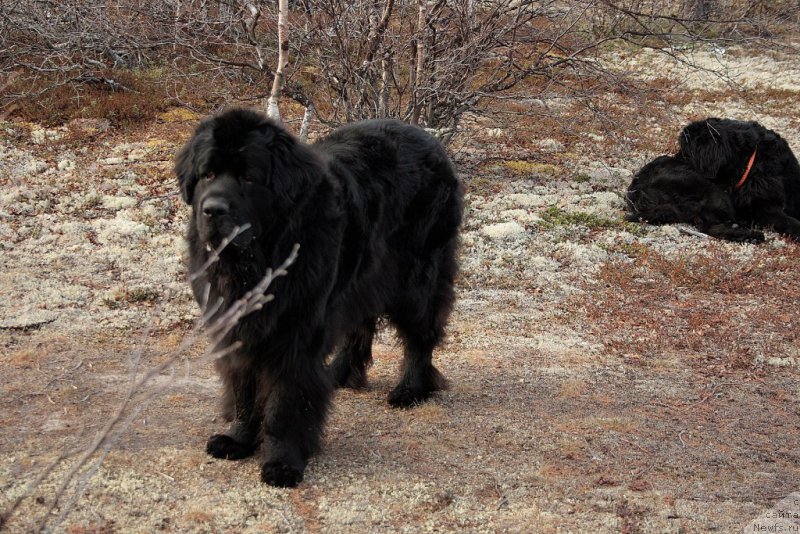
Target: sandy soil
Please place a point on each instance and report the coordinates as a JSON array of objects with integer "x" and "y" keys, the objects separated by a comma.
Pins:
[{"x": 606, "y": 377}]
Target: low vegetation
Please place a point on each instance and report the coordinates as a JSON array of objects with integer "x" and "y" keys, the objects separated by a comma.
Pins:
[{"x": 605, "y": 376}]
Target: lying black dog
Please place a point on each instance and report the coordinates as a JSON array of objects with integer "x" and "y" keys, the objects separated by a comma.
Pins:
[
  {"x": 727, "y": 177},
  {"x": 376, "y": 209}
]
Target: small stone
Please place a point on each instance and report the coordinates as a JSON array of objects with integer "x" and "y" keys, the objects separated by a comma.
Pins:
[
  {"x": 66, "y": 165},
  {"x": 35, "y": 167},
  {"x": 137, "y": 155},
  {"x": 505, "y": 230},
  {"x": 549, "y": 145},
  {"x": 42, "y": 135}
]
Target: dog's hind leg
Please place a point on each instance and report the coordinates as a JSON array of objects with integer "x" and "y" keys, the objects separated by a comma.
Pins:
[
  {"x": 716, "y": 216},
  {"x": 419, "y": 376},
  {"x": 240, "y": 440},
  {"x": 349, "y": 368},
  {"x": 732, "y": 232},
  {"x": 768, "y": 214},
  {"x": 420, "y": 316}
]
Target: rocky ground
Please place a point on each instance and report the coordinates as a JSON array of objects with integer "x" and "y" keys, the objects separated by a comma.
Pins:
[{"x": 605, "y": 376}]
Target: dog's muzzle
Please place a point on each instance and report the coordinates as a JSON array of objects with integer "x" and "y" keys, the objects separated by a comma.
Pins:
[
  {"x": 218, "y": 223},
  {"x": 215, "y": 207}
]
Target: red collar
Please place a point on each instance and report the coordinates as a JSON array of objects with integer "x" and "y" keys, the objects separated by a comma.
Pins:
[{"x": 743, "y": 179}]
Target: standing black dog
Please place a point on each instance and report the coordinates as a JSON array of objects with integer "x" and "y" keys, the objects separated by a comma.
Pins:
[
  {"x": 727, "y": 177},
  {"x": 376, "y": 208}
]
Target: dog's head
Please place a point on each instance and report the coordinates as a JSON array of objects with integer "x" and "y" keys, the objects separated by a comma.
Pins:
[
  {"x": 721, "y": 146},
  {"x": 241, "y": 169}
]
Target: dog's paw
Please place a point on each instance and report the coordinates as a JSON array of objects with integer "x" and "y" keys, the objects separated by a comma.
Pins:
[
  {"x": 756, "y": 237},
  {"x": 404, "y": 396},
  {"x": 743, "y": 235},
  {"x": 280, "y": 474},
  {"x": 345, "y": 373},
  {"x": 417, "y": 386},
  {"x": 407, "y": 397},
  {"x": 225, "y": 447},
  {"x": 349, "y": 379}
]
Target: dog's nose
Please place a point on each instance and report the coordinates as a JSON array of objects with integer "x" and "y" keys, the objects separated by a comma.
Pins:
[{"x": 215, "y": 207}]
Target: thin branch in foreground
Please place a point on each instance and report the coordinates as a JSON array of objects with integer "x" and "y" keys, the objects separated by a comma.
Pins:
[
  {"x": 139, "y": 394},
  {"x": 691, "y": 231},
  {"x": 214, "y": 257}
]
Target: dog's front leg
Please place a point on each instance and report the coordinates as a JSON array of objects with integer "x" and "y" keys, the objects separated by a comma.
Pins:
[
  {"x": 294, "y": 414},
  {"x": 240, "y": 440},
  {"x": 732, "y": 232}
]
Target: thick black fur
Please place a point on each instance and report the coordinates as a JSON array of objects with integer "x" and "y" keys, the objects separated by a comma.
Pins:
[
  {"x": 376, "y": 208},
  {"x": 698, "y": 184}
]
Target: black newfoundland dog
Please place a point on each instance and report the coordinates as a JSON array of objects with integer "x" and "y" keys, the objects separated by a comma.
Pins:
[
  {"x": 376, "y": 208},
  {"x": 727, "y": 177}
]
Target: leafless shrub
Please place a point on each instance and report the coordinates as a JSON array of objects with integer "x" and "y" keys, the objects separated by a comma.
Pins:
[
  {"x": 666, "y": 22},
  {"x": 77, "y": 43},
  {"x": 424, "y": 61},
  {"x": 429, "y": 62}
]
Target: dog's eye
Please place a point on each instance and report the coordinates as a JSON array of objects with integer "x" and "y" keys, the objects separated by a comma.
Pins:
[
  {"x": 210, "y": 176},
  {"x": 247, "y": 178}
]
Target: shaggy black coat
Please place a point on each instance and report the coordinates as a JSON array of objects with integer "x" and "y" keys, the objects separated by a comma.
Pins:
[
  {"x": 700, "y": 185},
  {"x": 376, "y": 208}
]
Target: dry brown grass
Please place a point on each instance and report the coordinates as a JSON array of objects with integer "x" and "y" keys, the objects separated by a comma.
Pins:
[
  {"x": 664, "y": 418},
  {"x": 720, "y": 313},
  {"x": 53, "y": 101}
]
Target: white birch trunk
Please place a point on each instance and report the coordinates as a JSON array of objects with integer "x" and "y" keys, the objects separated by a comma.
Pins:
[
  {"x": 307, "y": 114},
  {"x": 283, "y": 59},
  {"x": 386, "y": 80},
  {"x": 422, "y": 32}
]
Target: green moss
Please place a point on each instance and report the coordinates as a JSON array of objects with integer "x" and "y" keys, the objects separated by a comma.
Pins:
[
  {"x": 112, "y": 304},
  {"x": 637, "y": 229},
  {"x": 555, "y": 216},
  {"x": 143, "y": 294},
  {"x": 631, "y": 250},
  {"x": 92, "y": 200},
  {"x": 520, "y": 167},
  {"x": 483, "y": 184},
  {"x": 131, "y": 296}
]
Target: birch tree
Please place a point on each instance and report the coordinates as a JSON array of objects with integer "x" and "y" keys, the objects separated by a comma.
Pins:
[{"x": 283, "y": 59}]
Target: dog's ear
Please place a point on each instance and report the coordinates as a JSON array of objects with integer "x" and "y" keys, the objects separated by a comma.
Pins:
[
  {"x": 275, "y": 137},
  {"x": 191, "y": 158},
  {"x": 292, "y": 164}
]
